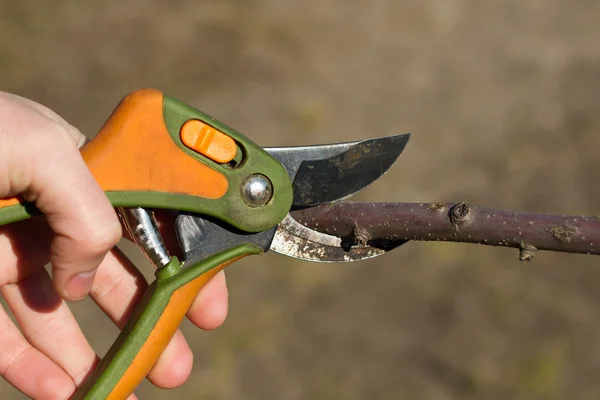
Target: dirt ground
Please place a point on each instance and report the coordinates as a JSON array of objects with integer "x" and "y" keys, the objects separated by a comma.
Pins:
[{"x": 502, "y": 98}]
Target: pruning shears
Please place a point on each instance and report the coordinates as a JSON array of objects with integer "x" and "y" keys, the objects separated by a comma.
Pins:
[{"x": 233, "y": 199}]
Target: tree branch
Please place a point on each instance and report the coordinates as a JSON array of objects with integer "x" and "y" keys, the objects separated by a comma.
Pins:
[{"x": 455, "y": 222}]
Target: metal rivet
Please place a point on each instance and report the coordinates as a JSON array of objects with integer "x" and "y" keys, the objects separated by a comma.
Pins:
[{"x": 256, "y": 190}]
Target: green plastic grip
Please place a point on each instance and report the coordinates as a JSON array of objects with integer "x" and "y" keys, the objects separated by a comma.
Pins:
[{"x": 108, "y": 380}]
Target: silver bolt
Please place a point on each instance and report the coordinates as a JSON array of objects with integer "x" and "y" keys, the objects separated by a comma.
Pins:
[{"x": 257, "y": 190}]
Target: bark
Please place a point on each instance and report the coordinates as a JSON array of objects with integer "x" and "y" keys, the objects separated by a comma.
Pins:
[{"x": 386, "y": 224}]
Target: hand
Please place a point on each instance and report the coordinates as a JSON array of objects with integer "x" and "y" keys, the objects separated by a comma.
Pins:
[{"x": 49, "y": 356}]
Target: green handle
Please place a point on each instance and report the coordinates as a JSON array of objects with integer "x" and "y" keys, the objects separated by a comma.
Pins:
[{"x": 152, "y": 325}]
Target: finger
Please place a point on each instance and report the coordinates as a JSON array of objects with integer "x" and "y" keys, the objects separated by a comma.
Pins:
[
  {"x": 44, "y": 165},
  {"x": 209, "y": 309},
  {"x": 77, "y": 137},
  {"x": 53, "y": 331},
  {"x": 85, "y": 223},
  {"x": 60, "y": 350},
  {"x": 20, "y": 261},
  {"x": 174, "y": 365},
  {"x": 117, "y": 290},
  {"x": 18, "y": 257},
  {"x": 28, "y": 369}
]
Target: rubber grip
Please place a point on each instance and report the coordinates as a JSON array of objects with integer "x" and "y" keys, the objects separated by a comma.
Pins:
[
  {"x": 159, "y": 337},
  {"x": 153, "y": 324}
]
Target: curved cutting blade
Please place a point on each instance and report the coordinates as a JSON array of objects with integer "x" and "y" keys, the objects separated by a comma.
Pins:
[
  {"x": 326, "y": 173},
  {"x": 295, "y": 240}
]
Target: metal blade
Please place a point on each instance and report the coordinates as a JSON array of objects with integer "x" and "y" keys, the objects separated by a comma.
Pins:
[
  {"x": 200, "y": 237},
  {"x": 326, "y": 173},
  {"x": 295, "y": 240}
]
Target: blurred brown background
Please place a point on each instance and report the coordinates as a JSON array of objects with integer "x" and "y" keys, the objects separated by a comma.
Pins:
[{"x": 502, "y": 98}]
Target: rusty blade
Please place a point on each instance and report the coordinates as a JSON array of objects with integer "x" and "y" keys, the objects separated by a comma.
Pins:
[{"x": 295, "y": 240}]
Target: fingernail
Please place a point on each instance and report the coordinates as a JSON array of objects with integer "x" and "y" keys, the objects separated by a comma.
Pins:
[{"x": 80, "y": 285}]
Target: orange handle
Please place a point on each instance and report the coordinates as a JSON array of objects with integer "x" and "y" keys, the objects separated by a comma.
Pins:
[
  {"x": 159, "y": 338},
  {"x": 134, "y": 152}
]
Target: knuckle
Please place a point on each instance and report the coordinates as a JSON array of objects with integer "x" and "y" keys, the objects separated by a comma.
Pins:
[
  {"x": 14, "y": 359},
  {"x": 79, "y": 375},
  {"x": 102, "y": 238},
  {"x": 58, "y": 140},
  {"x": 52, "y": 387},
  {"x": 103, "y": 241},
  {"x": 56, "y": 390},
  {"x": 107, "y": 284}
]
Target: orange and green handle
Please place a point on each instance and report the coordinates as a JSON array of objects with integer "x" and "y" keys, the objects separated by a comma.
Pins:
[
  {"x": 157, "y": 152},
  {"x": 152, "y": 326}
]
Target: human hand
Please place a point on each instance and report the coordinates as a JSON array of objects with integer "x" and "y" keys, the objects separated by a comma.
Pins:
[{"x": 49, "y": 356}]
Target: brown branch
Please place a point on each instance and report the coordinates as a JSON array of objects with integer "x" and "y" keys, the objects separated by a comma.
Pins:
[{"x": 455, "y": 222}]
